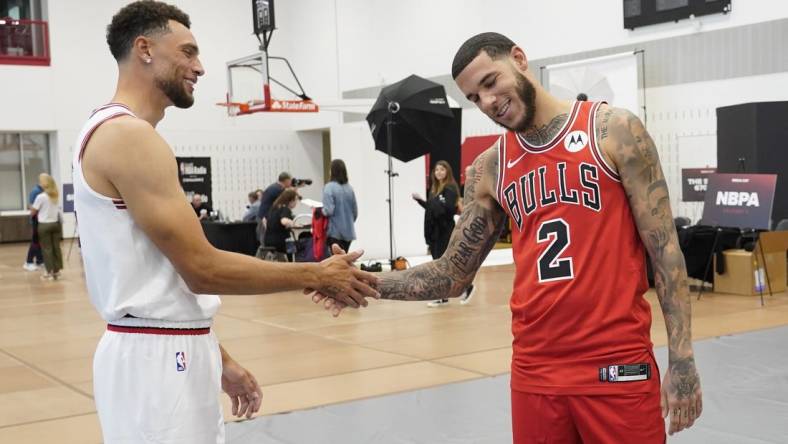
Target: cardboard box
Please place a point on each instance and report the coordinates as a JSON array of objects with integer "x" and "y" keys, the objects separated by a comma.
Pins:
[{"x": 745, "y": 274}]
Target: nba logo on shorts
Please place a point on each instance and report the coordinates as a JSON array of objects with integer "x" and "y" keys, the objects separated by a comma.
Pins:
[{"x": 180, "y": 361}]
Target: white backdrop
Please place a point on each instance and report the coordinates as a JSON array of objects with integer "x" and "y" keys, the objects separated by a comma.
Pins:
[
  {"x": 613, "y": 79},
  {"x": 353, "y": 143}
]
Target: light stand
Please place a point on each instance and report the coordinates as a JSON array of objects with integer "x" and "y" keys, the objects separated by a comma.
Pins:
[{"x": 393, "y": 110}]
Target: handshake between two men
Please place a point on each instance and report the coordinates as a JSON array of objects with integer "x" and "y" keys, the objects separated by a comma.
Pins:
[{"x": 351, "y": 286}]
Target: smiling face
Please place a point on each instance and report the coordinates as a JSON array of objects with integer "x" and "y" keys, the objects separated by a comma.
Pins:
[
  {"x": 500, "y": 90},
  {"x": 176, "y": 64}
]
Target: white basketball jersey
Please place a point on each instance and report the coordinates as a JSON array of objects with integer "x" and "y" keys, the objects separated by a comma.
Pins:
[{"x": 126, "y": 273}]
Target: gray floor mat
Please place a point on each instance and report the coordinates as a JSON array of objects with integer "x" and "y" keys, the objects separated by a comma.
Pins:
[{"x": 744, "y": 379}]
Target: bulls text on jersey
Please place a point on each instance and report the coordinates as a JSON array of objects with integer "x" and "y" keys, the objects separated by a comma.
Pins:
[{"x": 522, "y": 193}]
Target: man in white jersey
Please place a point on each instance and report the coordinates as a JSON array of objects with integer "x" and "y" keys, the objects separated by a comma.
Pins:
[{"x": 150, "y": 271}]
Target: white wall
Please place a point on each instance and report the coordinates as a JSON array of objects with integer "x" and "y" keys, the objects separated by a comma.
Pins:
[{"x": 382, "y": 41}]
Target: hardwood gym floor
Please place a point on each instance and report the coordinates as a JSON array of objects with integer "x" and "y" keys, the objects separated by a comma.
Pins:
[{"x": 300, "y": 355}]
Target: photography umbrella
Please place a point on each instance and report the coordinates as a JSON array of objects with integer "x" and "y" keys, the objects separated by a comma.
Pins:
[
  {"x": 406, "y": 121},
  {"x": 418, "y": 109}
]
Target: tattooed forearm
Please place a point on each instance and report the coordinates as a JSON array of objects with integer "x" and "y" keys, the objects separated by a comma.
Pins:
[
  {"x": 422, "y": 283},
  {"x": 472, "y": 239},
  {"x": 545, "y": 133},
  {"x": 474, "y": 236}
]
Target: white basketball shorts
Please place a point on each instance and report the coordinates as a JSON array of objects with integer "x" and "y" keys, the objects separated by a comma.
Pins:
[{"x": 158, "y": 385}]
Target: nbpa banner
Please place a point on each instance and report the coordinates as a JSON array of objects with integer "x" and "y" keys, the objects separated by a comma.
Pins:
[
  {"x": 194, "y": 174},
  {"x": 694, "y": 182},
  {"x": 739, "y": 200}
]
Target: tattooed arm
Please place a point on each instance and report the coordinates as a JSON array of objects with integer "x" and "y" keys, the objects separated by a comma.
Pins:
[
  {"x": 473, "y": 237},
  {"x": 626, "y": 142}
]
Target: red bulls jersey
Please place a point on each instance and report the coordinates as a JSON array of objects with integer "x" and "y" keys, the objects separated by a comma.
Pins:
[{"x": 577, "y": 304}]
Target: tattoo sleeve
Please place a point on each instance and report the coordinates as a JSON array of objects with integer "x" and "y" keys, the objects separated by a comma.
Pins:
[
  {"x": 635, "y": 155},
  {"x": 473, "y": 237}
]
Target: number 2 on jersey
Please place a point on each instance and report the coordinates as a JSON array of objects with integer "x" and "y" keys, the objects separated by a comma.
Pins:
[{"x": 550, "y": 265}]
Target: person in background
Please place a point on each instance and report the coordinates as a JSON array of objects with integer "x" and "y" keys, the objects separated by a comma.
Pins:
[
  {"x": 267, "y": 199},
  {"x": 50, "y": 231},
  {"x": 253, "y": 208},
  {"x": 339, "y": 206},
  {"x": 201, "y": 209},
  {"x": 272, "y": 193},
  {"x": 280, "y": 220},
  {"x": 439, "y": 210},
  {"x": 34, "y": 255}
]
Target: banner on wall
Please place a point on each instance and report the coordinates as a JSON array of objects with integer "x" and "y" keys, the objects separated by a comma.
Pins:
[
  {"x": 68, "y": 197},
  {"x": 739, "y": 200},
  {"x": 612, "y": 78},
  {"x": 194, "y": 174},
  {"x": 694, "y": 182}
]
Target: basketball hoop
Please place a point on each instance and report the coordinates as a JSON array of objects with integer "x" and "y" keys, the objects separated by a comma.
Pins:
[{"x": 249, "y": 78}]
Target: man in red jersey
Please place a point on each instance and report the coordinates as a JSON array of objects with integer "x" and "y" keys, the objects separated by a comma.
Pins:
[{"x": 583, "y": 186}]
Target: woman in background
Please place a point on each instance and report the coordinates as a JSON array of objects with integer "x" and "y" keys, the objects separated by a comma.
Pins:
[
  {"x": 440, "y": 207},
  {"x": 50, "y": 230},
  {"x": 35, "y": 257},
  {"x": 280, "y": 220},
  {"x": 339, "y": 206}
]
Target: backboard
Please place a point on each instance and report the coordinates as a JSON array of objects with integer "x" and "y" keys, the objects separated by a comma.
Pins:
[{"x": 249, "y": 88}]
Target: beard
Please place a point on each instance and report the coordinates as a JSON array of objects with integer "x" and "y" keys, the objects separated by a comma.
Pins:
[
  {"x": 527, "y": 94},
  {"x": 175, "y": 91}
]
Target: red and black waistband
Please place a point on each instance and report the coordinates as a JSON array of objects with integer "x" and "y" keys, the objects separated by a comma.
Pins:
[{"x": 159, "y": 330}]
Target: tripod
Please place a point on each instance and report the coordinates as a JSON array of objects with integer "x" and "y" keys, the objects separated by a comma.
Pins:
[{"x": 74, "y": 237}]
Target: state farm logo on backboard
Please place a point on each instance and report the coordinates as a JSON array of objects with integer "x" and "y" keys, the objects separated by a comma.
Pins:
[{"x": 293, "y": 106}]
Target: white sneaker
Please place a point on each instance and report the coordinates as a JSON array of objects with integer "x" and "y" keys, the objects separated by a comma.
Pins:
[
  {"x": 47, "y": 277},
  {"x": 466, "y": 297},
  {"x": 438, "y": 303},
  {"x": 30, "y": 266}
]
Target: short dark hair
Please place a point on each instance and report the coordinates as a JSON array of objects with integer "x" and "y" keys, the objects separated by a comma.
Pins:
[
  {"x": 338, "y": 171},
  {"x": 283, "y": 176},
  {"x": 285, "y": 198},
  {"x": 494, "y": 44},
  {"x": 143, "y": 17}
]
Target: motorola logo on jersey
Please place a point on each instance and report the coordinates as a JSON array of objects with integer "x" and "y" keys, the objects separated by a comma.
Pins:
[
  {"x": 575, "y": 141},
  {"x": 522, "y": 198}
]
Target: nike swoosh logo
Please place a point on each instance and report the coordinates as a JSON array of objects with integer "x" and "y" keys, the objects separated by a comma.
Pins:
[{"x": 512, "y": 163}]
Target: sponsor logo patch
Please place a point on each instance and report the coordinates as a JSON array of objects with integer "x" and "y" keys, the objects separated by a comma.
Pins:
[{"x": 575, "y": 141}]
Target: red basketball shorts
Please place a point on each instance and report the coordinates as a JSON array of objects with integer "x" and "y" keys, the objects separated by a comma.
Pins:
[{"x": 570, "y": 419}]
